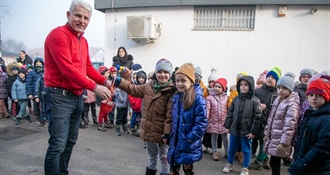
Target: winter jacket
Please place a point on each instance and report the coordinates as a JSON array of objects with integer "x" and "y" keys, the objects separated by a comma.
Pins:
[
  {"x": 135, "y": 103},
  {"x": 204, "y": 88},
  {"x": 32, "y": 78},
  {"x": 18, "y": 90},
  {"x": 232, "y": 95},
  {"x": 188, "y": 127},
  {"x": 244, "y": 113},
  {"x": 3, "y": 88},
  {"x": 121, "y": 98},
  {"x": 216, "y": 113},
  {"x": 39, "y": 89},
  {"x": 67, "y": 61},
  {"x": 267, "y": 96},
  {"x": 301, "y": 90},
  {"x": 156, "y": 109},
  {"x": 27, "y": 60},
  {"x": 91, "y": 97},
  {"x": 126, "y": 61},
  {"x": 312, "y": 151},
  {"x": 281, "y": 125},
  {"x": 11, "y": 77}
]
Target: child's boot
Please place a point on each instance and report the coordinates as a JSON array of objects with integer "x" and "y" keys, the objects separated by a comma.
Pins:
[
  {"x": 117, "y": 132},
  {"x": 101, "y": 127},
  {"x": 134, "y": 132},
  {"x": 108, "y": 125},
  {"x": 125, "y": 129},
  {"x": 17, "y": 120},
  {"x": 94, "y": 120},
  {"x": 188, "y": 169},
  {"x": 265, "y": 164},
  {"x": 215, "y": 156},
  {"x": 28, "y": 118},
  {"x": 150, "y": 172}
]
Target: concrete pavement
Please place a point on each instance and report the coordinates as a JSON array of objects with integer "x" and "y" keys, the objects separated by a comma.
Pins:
[{"x": 23, "y": 148}]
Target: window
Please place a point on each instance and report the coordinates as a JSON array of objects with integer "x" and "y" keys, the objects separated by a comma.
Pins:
[{"x": 224, "y": 18}]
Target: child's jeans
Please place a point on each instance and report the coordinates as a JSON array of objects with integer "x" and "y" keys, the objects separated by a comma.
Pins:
[
  {"x": 22, "y": 104},
  {"x": 134, "y": 117},
  {"x": 246, "y": 149}
]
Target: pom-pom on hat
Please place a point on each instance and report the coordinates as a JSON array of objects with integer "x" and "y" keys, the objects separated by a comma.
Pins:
[
  {"x": 214, "y": 75},
  {"x": 287, "y": 81},
  {"x": 188, "y": 70},
  {"x": 241, "y": 74},
  {"x": 262, "y": 76},
  {"x": 103, "y": 69},
  {"x": 320, "y": 86},
  {"x": 307, "y": 71},
  {"x": 275, "y": 72},
  {"x": 164, "y": 64},
  {"x": 222, "y": 82},
  {"x": 198, "y": 72}
]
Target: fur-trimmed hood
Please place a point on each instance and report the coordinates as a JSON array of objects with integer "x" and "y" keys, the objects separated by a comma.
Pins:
[{"x": 10, "y": 67}]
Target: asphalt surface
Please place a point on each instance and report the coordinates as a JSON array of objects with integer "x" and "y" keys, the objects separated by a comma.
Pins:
[{"x": 23, "y": 148}]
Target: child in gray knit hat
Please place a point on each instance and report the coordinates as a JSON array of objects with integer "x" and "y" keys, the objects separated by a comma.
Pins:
[
  {"x": 282, "y": 122},
  {"x": 301, "y": 88}
]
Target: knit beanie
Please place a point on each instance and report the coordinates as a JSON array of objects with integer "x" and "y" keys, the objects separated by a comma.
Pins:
[
  {"x": 136, "y": 67},
  {"x": 262, "y": 76},
  {"x": 320, "y": 86},
  {"x": 287, "y": 81},
  {"x": 188, "y": 70},
  {"x": 139, "y": 74},
  {"x": 222, "y": 82},
  {"x": 198, "y": 72},
  {"x": 164, "y": 64},
  {"x": 21, "y": 70},
  {"x": 103, "y": 69},
  {"x": 214, "y": 75},
  {"x": 113, "y": 69},
  {"x": 241, "y": 74},
  {"x": 307, "y": 71},
  {"x": 275, "y": 72}
]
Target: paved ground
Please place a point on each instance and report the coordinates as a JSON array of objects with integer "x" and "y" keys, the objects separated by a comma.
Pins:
[{"x": 96, "y": 153}]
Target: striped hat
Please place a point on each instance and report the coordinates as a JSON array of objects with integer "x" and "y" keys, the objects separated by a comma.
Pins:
[{"x": 275, "y": 72}]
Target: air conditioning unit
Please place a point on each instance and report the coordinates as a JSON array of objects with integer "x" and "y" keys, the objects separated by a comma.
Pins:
[{"x": 142, "y": 27}]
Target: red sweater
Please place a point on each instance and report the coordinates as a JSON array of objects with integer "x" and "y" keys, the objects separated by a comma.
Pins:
[{"x": 67, "y": 62}]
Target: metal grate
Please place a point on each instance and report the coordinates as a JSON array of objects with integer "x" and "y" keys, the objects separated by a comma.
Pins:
[{"x": 224, "y": 18}]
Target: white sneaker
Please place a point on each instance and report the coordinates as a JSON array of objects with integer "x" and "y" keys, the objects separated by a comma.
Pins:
[
  {"x": 227, "y": 168},
  {"x": 245, "y": 171}
]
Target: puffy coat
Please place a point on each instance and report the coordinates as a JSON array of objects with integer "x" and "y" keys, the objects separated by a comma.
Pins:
[
  {"x": 233, "y": 93},
  {"x": 216, "y": 113},
  {"x": 312, "y": 151},
  {"x": 244, "y": 113},
  {"x": 188, "y": 128},
  {"x": 135, "y": 103},
  {"x": 3, "y": 88},
  {"x": 18, "y": 90},
  {"x": 281, "y": 125},
  {"x": 32, "y": 78},
  {"x": 126, "y": 61},
  {"x": 156, "y": 109},
  {"x": 301, "y": 90},
  {"x": 267, "y": 96},
  {"x": 121, "y": 98}
]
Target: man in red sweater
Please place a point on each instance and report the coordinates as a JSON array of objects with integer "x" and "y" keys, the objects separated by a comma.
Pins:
[{"x": 68, "y": 71}]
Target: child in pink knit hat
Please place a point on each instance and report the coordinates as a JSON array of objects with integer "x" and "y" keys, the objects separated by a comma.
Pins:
[{"x": 261, "y": 80}]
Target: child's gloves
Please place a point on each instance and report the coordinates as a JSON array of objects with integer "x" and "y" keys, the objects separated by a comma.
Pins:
[{"x": 282, "y": 147}]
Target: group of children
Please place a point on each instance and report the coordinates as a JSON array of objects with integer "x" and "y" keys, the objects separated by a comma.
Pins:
[
  {"x": 265, "y": 113},
  {"x": 23, "y": 84}
]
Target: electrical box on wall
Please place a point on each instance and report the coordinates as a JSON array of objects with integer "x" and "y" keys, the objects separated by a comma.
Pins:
[{"x": 142, "y": 27}]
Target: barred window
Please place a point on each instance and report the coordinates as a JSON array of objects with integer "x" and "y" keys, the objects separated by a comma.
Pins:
[{"x": 224, "y": 18}]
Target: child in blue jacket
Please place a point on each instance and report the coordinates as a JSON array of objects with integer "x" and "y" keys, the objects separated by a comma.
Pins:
[{"x": 188, "y": 122}]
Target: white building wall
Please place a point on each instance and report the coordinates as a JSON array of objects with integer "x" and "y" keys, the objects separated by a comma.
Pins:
[{"x": 298, "y": 40}]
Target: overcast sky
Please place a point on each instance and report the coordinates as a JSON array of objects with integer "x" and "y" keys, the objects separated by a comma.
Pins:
[{"x": 30, "y": 21}]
